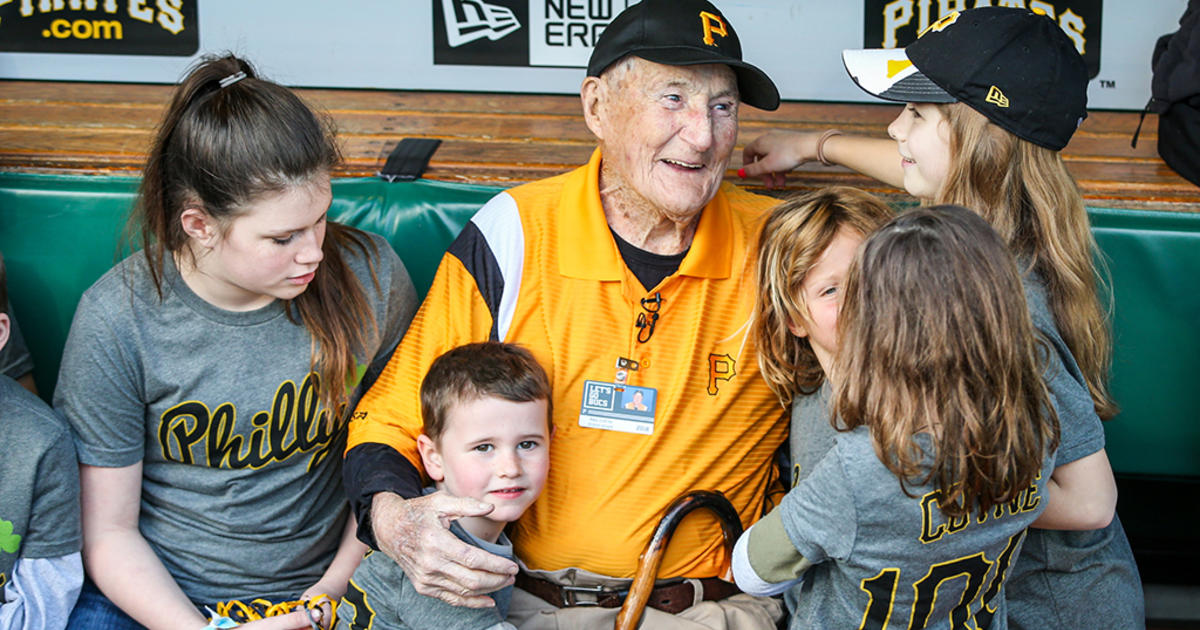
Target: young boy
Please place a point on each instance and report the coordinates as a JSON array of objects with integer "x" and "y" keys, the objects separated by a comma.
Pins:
[
  {"x": 486, "y": 435},
  {"x": 40, "y": 567}
]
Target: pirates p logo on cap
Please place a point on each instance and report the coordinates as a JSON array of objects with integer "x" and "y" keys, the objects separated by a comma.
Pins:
[
  {"x": 940, "y": 24},
  {"x": 712, "y": 24}
]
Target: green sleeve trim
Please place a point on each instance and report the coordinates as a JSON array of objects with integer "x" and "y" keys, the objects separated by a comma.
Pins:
[{"x": 771, "y": 553}]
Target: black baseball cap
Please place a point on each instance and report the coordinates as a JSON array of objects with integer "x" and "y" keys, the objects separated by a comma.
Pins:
[
  {"x": 1016, "y": 67},
  {"x": 681, "y": 33}
]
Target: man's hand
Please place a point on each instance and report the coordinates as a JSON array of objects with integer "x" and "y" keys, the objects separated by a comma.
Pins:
[{"x": 416, "y": 534}]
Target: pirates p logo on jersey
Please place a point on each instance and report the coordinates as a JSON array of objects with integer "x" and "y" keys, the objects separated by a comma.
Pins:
[
  {"x": 721, "y": 367},
  {"x": 712, "y": 25}
]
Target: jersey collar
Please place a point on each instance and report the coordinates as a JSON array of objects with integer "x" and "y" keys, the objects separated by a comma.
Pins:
[{"x": 586, "y": 248}]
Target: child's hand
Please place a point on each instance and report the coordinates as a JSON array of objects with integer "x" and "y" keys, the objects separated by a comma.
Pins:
[
  {"x": 774, "y": 153},
  {"x": 325, "y": 595},
  {"x": 292, "y": 621},
  {"x": 415, "y": 533}
]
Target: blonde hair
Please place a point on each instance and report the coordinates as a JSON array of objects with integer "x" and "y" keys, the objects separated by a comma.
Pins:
[
  {"x": 1025, "y": 192},
  {"x": 936, "y": 339},
  {"x": 792, "y": 240}
]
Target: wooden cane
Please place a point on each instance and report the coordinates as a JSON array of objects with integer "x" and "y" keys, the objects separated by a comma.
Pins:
[{"x": 651, "y": 558}]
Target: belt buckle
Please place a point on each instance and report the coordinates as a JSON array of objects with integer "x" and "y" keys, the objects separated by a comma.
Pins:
[{"x": 569, "y": 592}]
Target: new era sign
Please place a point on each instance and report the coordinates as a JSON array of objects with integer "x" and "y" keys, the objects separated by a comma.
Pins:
[{"x": 520, "y": 32}]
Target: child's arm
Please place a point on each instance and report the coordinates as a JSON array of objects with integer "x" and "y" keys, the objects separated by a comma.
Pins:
[
  {"x": 764, "y": 560},
  {"x": 122, "y": 564},
  {"x": 333, "y": 582},
  {"x": 1080, "y": 495},
  {"x": 773, "y": 154},
  {"x": 41, "y": 593}
]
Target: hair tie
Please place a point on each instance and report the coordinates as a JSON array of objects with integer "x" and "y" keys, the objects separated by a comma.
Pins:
[{"x": 233, "y": 78}]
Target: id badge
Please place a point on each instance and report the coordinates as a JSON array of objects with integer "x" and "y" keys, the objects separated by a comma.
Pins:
[{"x": 613, "y": 407}]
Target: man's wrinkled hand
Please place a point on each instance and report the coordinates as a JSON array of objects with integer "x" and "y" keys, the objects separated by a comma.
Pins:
[{"x": 416, "y": 534}]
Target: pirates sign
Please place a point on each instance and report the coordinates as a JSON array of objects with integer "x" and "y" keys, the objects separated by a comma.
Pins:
[
  {"x": 105, "y": 27},
  {"x": 896, "y": 23}
]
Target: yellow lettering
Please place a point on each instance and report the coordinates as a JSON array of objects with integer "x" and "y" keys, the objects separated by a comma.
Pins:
[
  {"x": 922, "y": 15},
  {"x": 110, "y": 29},
  {"x": 139, "y": 11},
  {"x": 81, "y": 29},
  {"x": 1074, "y": 26},
  {"x": 60, "y": 29},
  {"x": 946, "y": 7},
  {"x": 1032, "y": 498},
  {"x": 956, "y": 525},
  {"x": 929, "y": 533},
  {"x": 712, "y": 24},
  {"x": 169, "y": 15},
  {"x": 1041, "y": 7},
  {"x": 896, "y": 15}
]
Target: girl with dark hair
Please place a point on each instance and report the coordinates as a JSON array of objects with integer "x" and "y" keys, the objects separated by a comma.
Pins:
[
  {"x": 946, "y": 427},
  {"x": 207, "y": 377}
]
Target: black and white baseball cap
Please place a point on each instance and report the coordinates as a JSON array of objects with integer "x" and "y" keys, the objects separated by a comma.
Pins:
[
  {"x": 1016, "y": 67},
  {"x": 681, "y": 33}
]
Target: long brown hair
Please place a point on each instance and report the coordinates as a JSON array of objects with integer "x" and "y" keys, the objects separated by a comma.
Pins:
[
  {"x": 226, "y": 141},
  {"x": 792, "y": 240},
  {"x": 935, "y": 338},
  {"x": 1025, "y": 192}
]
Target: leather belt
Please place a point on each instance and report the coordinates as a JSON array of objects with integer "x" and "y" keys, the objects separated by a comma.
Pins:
[{"x": 669, "y": 598}]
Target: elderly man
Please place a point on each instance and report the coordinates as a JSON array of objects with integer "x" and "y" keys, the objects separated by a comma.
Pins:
[{"x": 630, "y": 271}]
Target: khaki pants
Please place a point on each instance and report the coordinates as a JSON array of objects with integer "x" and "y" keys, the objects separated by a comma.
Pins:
[{"x": 739, "y": 612}]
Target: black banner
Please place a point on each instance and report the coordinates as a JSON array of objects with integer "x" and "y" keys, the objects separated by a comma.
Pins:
[
  {"x": 896, "y": 23},
  {"x": 100, "y": 27},
  {"x": 481, "y": 32}
]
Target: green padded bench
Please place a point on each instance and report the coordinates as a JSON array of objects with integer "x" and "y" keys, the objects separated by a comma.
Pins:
[{"x": 59, "y": 233}]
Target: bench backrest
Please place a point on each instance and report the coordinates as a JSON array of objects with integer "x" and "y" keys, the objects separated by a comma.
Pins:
[{"x": 59, "y": 233}]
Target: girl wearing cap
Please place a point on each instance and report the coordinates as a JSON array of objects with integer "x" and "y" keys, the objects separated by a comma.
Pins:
[{"x": 992, "y": 95}]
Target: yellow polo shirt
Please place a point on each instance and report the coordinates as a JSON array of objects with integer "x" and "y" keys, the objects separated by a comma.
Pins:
[{"x": 538, "y": 266}]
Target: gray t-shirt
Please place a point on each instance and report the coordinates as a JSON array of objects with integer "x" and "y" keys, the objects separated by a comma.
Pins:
[
  {"x": 1069, "y": 579},
  {"x": 381, "y": 597},
  {"x": 810, "y": 435},
  {"x": 1062, "y": 579},
  {"x": 879, "y": 554},
  {"x": 241, "y": 492},
  {"x": 39, "y": 481},
  {"x": 15, "y": 360}
]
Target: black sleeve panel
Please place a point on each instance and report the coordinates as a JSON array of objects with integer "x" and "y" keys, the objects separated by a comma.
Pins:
[{"x": 370, "y": 468}]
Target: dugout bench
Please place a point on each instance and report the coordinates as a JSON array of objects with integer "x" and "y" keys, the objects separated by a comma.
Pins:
[{"x": 59, "y": 233}]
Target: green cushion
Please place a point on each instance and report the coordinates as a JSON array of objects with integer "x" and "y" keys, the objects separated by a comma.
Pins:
[
  {"x": 1154, "y": 260},
  {"x": 59, "y": 233}
]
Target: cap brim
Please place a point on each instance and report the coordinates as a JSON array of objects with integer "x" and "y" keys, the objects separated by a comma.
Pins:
[
  {"x": 889, "y": 74},
  {"x": 755, "y": 88}
]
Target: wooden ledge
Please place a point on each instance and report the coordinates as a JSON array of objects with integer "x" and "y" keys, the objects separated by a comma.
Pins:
[{"x": 507, "y": 139}]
